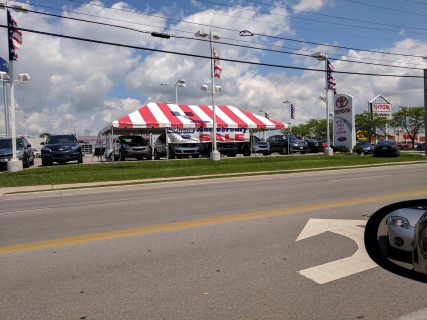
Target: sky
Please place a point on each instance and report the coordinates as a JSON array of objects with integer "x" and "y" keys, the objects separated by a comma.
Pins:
[{"x": 80, "y": 87}]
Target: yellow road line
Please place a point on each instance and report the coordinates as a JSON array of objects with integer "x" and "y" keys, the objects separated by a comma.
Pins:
[{"x": 196, "y": 223}]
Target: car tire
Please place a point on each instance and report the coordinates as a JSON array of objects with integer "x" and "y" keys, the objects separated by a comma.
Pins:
[
  {"x": 285, "y": 150},
  {"x": 26, "y": 163},
  {"x": 80, "y": 160},
  {"x": 46, "y": 163},
  {"x": 121, "y": 156},
  {"x": 156, "y": 155},
  {"x": 246, "y": 151}
]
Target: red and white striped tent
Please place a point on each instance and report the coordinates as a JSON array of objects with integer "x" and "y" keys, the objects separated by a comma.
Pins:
[{"x": 155, "y": 117}]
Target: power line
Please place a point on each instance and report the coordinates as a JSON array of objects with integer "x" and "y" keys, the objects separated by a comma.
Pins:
[
  {"x": 385, "y": 8},
  {"x": 262, "y": 35},
  {"x": 209, "y": 57},
  {"x": 229, "y": 44}
]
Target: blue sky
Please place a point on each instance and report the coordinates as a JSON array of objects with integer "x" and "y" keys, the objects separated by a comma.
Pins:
[{"x": 80, "y": 87}]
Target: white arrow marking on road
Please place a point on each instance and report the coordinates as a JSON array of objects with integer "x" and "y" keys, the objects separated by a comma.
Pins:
[{"x": 338, "y": 269}]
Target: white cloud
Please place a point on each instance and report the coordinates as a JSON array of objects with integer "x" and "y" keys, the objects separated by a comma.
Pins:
[
  {"x": 307, "y": 5},
  {"x": 85, "y": 86}
]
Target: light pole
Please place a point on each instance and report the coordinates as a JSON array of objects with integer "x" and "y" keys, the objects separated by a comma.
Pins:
[
  {"x": 15, "y": 164},
  {"x": 4, "y": 78},
  {"x": 215, "y": 155},
  {"x": 290, "y": 123},
  {"x": 324, "y": 57},
  {"x": 180, "y": 83},
  {"x": 425, "y": 106}
]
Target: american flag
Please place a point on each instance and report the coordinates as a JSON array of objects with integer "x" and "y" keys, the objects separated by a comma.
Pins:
[
  {"x": 15, "y": 37},
  {"x": 217, "y": 67},
  {"x": 332, "y": 85}
]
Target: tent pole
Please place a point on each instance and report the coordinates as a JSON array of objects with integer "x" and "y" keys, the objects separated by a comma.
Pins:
[{"x": 167, "y": 143}]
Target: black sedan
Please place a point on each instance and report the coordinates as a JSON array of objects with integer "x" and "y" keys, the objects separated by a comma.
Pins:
[
  {"x": 386, "y": 148},
  {"x": 314, "y": 145}
]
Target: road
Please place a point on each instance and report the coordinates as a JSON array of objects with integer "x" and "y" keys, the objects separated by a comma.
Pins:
[{"x": 207, "y": 249}]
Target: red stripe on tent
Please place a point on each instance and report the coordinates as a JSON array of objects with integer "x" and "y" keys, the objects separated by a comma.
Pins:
[
  {"x": 125, "y": 122},
  {"x": 260, "y": 124},
  {"x": 189, "y": 113},
  {"x": 173, "y": 119},
  {"x": 147, "y": 115},
  {"x": 240, "y": 123},
  {"x": 219, "y": 122}
]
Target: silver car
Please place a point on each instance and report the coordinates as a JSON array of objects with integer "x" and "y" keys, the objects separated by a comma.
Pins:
[{"x": 401, "y": 228}]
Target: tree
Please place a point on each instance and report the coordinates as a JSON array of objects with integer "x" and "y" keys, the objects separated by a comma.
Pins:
[
  {"x": 370, "y": 124},
  {"x": 44, "y": 135},
  {"x": 409, "y": 119},
  {"x": 314, "y": 128}
]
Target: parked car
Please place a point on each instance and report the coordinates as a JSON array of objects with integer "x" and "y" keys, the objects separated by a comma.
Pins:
[
  {"x": 260, "y": 146},
  {"x": 404, "y": 145},
  {"x": 24, "y": 151},
  {"x": 131, "y": 146},
  {"x": 61, "y": 148},
  {"x": 183, "y": 147},
  {"x": 386, "y": 148},
  {"x": 401, "y": 228},
  {"x": 280, "y": 144},
  {"x": 420, "y": 245},
  {"x": 315, "y": 146},
  {"x": 421, "y": 146},
  {"x": 368, "y": 148}
]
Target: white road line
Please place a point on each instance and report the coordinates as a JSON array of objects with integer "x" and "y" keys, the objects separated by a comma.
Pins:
[{"x": 360, "y": 178}]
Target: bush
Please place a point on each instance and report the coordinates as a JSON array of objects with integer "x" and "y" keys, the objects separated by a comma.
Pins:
[
  {"x": 358, "y": 149},
  {"x": 341, "y": 149}
]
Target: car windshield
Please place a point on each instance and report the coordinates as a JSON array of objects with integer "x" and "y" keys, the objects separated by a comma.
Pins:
[
  {"x": 61, "y": 139},
  {"x": 7, "y": 143},
  {"x": 134, "y": 140},
  {"x": 386, "y": 143},
  {"x": 363, "y": 143}
]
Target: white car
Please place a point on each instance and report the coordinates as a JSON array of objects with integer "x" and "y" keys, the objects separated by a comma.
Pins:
[{"x": 401, "y": 228}]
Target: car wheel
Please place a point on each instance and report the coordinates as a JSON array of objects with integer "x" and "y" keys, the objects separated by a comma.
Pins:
[
  {"x": 171, "y": 154},
  {"x": 246, "y": 151},
  {"x": 26, "y": 163},
  {"x": 156, "y": 155},
  {"x": 32, "y": 162},
  {"x": 46, "y": 163},
  {"x": 284, "y": 150},
  {"x": 121, "y": 156},
  {"x": 80, "y": 160}
]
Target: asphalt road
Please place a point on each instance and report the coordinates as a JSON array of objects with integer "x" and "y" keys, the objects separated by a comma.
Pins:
[{"x": 208, "y": 249}]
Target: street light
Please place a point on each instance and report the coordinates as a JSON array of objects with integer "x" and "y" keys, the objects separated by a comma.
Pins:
[
  {"x": 290, "y": 123},
  {"x": 15, "y": 164},
  {"x": 180, "y": 83},
  {"x": 324, "y": 57},
  {"x": 215, "y": 155}
]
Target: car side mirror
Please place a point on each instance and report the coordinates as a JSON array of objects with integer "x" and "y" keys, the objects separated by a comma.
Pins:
[{"x": 396, "y": 238}]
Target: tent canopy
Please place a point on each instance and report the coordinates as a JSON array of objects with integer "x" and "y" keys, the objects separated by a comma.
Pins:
[{"x": 155, "y": 117}]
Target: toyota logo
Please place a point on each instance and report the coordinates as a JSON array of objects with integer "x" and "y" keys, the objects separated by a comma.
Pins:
[{"x": 341, "y": 102}]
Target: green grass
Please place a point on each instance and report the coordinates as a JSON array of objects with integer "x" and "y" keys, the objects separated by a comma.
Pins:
[{"x": 135, "y": 170}]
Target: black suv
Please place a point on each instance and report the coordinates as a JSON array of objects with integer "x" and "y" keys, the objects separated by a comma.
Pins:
[
  {"x": 24, "y": 151},
  {"x": 280, "y": 144},
  {"x": 61, "y": 148}
]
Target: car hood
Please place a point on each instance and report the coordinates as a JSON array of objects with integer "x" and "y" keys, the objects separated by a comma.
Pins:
[
  {"x": 413, "y": 215},
  {"x": 69, "y": 144}
]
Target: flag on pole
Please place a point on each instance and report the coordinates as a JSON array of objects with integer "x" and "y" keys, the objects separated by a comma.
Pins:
[
  {"x": 15, "y": 37},
  {"x": 217, "y": 67},
  {"x": 292, "y": 111},
  {"x": 332, "y": 85}
]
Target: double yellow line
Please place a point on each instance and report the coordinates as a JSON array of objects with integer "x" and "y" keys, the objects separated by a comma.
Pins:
[{"x": 196, "y": 223}]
